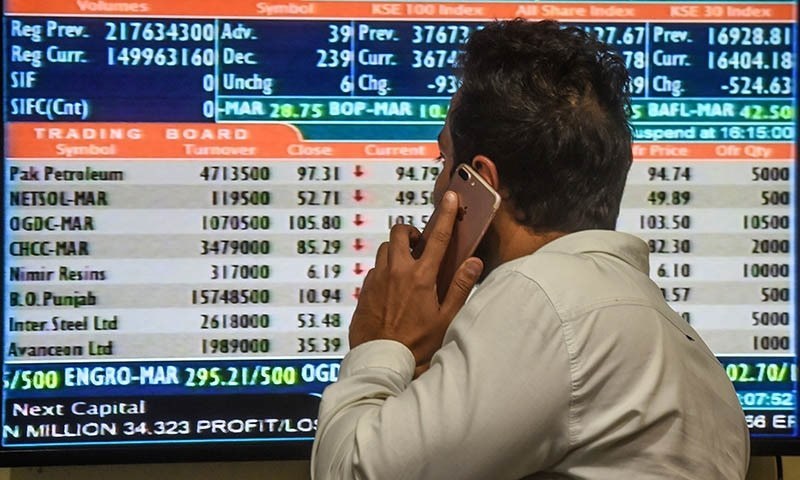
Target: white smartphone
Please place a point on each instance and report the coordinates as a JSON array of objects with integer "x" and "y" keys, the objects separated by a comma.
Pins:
[{"x": 477, "y": 204}]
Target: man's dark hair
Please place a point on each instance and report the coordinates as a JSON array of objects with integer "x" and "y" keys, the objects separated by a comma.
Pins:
[{"x": 549, "y": 105}]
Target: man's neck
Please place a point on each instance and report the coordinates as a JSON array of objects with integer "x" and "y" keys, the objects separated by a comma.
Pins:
[{"x": 509, "y": 240}]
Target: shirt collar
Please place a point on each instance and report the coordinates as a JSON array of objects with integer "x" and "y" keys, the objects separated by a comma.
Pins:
[{"x": 628, "y": 248}]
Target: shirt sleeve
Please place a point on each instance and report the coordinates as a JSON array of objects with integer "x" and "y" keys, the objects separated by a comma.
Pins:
[{"x": 495, "y": 402}]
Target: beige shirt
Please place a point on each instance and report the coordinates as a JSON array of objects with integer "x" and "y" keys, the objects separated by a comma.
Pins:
[{"x": 563, "y": 364}]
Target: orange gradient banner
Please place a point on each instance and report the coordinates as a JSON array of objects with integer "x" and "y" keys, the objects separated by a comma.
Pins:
[{"x": 85, "y": 141}]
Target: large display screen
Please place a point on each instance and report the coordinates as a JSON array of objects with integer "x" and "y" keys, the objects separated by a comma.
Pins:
[{"x": 193, "y": 192}]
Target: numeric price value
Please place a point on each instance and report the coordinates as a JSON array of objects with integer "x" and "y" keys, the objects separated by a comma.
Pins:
[
  {"x": 313, "y": 320},
  {"x": 421, "y": 173},
  {"x": 319, "y": 345}
]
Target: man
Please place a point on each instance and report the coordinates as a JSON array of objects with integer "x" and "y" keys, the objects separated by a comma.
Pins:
[{"x": 566, "y": 362}]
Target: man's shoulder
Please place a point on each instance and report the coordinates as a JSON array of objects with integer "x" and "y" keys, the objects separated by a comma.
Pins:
[{"x": 576, "y": 282}]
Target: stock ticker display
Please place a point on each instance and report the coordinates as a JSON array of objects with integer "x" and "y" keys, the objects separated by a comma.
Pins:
[{"x": 194, "y": 191}]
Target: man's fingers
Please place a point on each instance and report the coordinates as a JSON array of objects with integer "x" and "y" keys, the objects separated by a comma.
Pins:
[
  {"x": 464, "y": 280},
  {"x": 382, "y": 257},
  {"x": 436, "y": 243},
  {"x": 414, "y": 236},
  {"x": 400, "y": 239}
]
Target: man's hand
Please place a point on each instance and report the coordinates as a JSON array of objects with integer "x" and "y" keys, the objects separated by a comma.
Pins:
[{"x": 398, "y": 300}]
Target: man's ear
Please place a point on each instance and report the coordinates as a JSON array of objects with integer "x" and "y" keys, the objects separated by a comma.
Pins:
[{"x": 487, "y": 169}]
